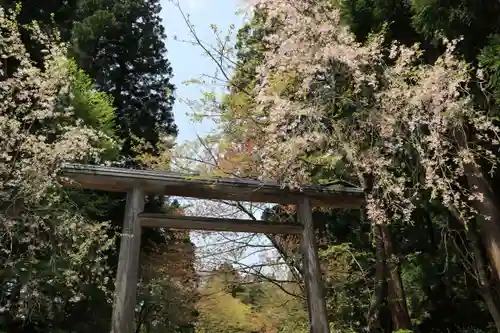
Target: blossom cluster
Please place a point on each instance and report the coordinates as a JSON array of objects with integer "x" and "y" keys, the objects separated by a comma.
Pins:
[
  {"x": 411, "y": 125},
  {"x": 45, "y": 243}
]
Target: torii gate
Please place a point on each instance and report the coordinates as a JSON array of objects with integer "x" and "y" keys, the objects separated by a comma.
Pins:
[{"x": 139, "y": 183}]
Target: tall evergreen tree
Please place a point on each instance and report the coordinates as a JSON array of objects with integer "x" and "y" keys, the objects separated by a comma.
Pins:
[{"x": 121, "y": 44}]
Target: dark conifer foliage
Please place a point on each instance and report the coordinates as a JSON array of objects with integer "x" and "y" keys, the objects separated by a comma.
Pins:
[{"x": 121, "y": 44}]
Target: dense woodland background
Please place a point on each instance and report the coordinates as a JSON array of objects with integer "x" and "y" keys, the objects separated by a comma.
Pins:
[{"x": 399, "y": 95}]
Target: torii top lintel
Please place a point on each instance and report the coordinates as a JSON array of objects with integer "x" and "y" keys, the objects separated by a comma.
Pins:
[{"x": 185, "y": 185}]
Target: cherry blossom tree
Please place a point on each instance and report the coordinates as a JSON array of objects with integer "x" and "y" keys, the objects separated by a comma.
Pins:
[
  {"x": 413, "y": 128},
  {"x": 46, "y": 244}
]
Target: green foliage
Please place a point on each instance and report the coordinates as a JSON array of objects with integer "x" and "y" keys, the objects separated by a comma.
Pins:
[
  {"x": 489, "y": 61},
  {"x": 368, "y": 16},
  {"x": 432, "y": 270},
  {"x": 455, "y": 18},
  {"x": 257, "y": 305},
  {"x": 167, "y": 289},
  {"x": 120, "y": 44},
  {"x": 60, "y": 260},
  {"x": 128, "y": 99},
  {"x": 94, "y": 108},
  {"x": 53, "y": 255}
]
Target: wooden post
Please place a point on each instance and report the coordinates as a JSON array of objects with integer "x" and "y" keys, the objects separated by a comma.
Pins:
[
  {"x": 318, "y": 319},
  {"x": 128, "y": 265}
]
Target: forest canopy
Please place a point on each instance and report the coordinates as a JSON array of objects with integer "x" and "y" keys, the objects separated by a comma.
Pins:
[
  {"x": 400, "y": 98},
  {"x": 397, "y": 95}
]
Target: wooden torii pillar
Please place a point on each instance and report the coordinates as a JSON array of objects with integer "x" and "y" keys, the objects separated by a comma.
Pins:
[{"x": 139, "y": 183}]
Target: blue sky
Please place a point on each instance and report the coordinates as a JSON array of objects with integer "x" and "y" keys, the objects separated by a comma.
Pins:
[{"x": 187, "y": 61}]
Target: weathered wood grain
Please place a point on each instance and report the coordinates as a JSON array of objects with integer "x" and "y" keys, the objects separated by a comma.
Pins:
[
  {"x": 128, "y": 265},
  {"x": 318, "y": 318},
  {"x": 137, "y": 183},
  {"x": 216, "y": 224},
  {"x": 175, "y": 184}
]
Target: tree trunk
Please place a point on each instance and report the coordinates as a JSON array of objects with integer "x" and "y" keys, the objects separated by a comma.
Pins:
[
  {"x": 395, "y": 290},
  {"x": 487, "y": 292},
  {"x": 376, "y": 320},
  {"x": 396, "y": 296},
  {"x": 485, "y": 288},
  {"x": 389, "y": 290},
  {"x": 489, "y": 222},
  {"x": 389, "y": 286}
]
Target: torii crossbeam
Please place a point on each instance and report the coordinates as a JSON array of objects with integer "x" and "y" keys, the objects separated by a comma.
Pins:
[{"x": 139, "y": 183}]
